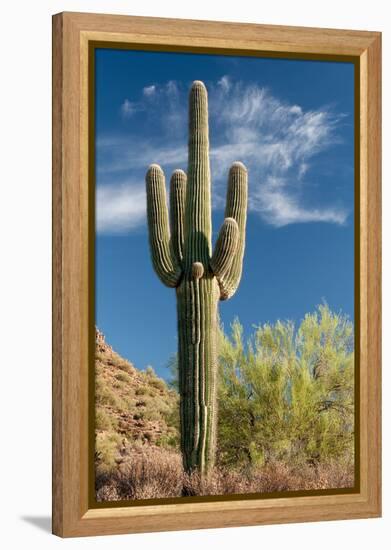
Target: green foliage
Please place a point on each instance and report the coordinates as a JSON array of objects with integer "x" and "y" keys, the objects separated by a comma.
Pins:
[
  {"x": 287, "y": 395},
  {"x": 103, "y": 421},
  {"x": 130, "y": 406},
  {"x": 285, "y": 399},
  {"x": 107, "y": 447},
  {"x": 149, "y": 371},
  {"x": 172, "y": 365},
  {"x": 125, "y": 366},
  {"x": 123, "y": 377},
  {"x": 105, "y": 396},
  {"x": 169, "y": 440}
]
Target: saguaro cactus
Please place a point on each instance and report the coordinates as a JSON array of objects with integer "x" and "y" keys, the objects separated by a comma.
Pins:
[{"x": 183, "y": 259}]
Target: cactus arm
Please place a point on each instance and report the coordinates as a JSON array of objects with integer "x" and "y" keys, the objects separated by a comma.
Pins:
[
  {"x": 198, "y": 221},
  {"x": 177, "y": 211},
  {"x": 236, "y": 208},
  {"x": 164, "y": 261},
  {"x": 225, "y": 248}
]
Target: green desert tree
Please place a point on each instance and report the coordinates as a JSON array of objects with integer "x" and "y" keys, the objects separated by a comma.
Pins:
[{"x": 286, "y": 394}]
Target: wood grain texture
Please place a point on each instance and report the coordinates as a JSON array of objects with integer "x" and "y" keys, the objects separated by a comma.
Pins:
[
  {"x": 57, "y": 271},
  {"x": 214, "y": 34},
  {"x": 72, "y": 34},
  {"x": 373, "y": 267}
]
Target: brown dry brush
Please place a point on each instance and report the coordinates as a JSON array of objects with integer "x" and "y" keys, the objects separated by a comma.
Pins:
[{"x": 155, "y": 472}]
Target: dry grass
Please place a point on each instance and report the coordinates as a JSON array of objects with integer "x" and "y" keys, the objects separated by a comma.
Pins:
[
  {"x": 152, "y": 472},
  {"x": 149, "y": 472},
  {"x": 131, "y": 406}
]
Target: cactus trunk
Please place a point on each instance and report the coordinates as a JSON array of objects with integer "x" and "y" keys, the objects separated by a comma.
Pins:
[
  {"x": 197, "y": 301},
  {"x": 182, "y": 258}
]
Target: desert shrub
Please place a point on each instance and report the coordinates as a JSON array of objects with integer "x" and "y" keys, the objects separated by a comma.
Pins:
[
  {"x": 123, "y": 377},
  {"x": 170, "y": 413},
  {"x": 169, "y": 440},
  {"x": 99, "y": 383},
  {"x": 117, "y": 361},
  {"x": 287, "y": 395},
  {"x": 149, "y": 472},
  {"x": 150, "y": 413},
  {"x": 104, "y": 421},
  {"x": 153, "y": 381},
  {"x": 274, "y": 477},
  {"x": 129, "y": 403},
  {"x": 107, "y": 448},
  {"x": 286, "y": 417},
  {"x": 107, "y": 397},
  {"x": 146, "y": 473},
  {"x": 125, "y": 366},
  {"x": 99, "y": 356},
  {"x": 149, "y": 371},
  {"x": 158, "y": 383}
]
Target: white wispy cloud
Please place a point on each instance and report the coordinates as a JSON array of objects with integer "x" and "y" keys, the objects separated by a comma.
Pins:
[
  {"x": 277, "y": 140},
  {"x": 149, "y": 91},
  {"x": 225, "y": 83},
  {"x": 123, "y": 155},
  {"x": 120, "y": 207},
  {"x": 279, "y": 207},
  {"x": 128, "y": 108}
]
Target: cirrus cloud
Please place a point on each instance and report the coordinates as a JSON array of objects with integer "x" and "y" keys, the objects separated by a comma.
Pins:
[
  {"x": 277, "y": 140},
  {"x": 120, "y": 207}
]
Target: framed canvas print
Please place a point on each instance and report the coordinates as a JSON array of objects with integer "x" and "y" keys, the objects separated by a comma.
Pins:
[{"x": 216, "y": 274}]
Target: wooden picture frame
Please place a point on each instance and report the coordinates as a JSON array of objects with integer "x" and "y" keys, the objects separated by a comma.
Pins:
[{"x": 74, "y": 36}]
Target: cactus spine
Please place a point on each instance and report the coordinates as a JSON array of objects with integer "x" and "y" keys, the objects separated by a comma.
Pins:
[{"x": 181, "y": 251}]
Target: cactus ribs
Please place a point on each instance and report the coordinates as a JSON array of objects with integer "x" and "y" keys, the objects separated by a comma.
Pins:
[{"x": 181, "y": 251}]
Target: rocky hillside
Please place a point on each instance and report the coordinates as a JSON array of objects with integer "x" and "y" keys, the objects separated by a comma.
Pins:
[{"x": 133, "y": 409}]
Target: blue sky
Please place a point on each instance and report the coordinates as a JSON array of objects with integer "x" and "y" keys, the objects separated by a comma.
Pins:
[{"x": 292, "y": 124}]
